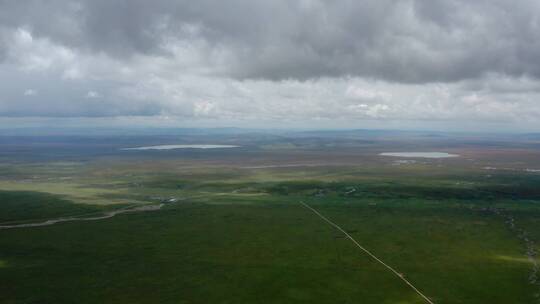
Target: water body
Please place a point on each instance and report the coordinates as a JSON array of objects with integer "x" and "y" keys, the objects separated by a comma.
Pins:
[
  {"x": 283, "y": 166},
  {"x": 419, "y": 154},
  {"x": 171, "y": 147},
  {"x": 91, "y": 218}
]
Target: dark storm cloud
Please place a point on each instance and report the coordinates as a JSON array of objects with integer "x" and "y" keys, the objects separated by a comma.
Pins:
[{"x": 404, "y": 41}]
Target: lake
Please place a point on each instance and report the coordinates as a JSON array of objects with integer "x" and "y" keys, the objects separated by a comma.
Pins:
[
  {"x": 419, "y": 154},
  {"x": 170, "y": 147}
]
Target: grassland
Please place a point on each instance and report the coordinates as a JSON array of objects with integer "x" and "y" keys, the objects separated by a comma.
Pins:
[{"x": 236, "y": 233}]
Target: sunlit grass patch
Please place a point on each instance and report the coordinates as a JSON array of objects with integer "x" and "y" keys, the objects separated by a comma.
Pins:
[
  {"x": 78, "y": 193},
  {"x": 515, "y": 259}
]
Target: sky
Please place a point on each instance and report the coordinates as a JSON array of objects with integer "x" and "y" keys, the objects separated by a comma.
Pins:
[{"x": 457, "y": 65}]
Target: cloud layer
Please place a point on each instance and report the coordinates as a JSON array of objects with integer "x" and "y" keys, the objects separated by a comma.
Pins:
[{"x": 409, "y": 60}]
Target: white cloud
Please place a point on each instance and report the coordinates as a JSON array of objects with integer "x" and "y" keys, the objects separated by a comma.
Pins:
[
  {"x": 38, "y": 55},
  {"x": 92, "y": 94},
  {"x": 366, "y": 93},
  {"x": 29, "y": 92}
]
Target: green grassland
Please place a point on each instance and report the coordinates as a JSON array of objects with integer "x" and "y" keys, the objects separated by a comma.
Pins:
[
  {"x": 236, "y": 232},
  {"x": 23, "y": 206}
]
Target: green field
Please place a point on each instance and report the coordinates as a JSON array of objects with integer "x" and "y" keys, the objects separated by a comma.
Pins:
[{"x": 237, "y": 233}]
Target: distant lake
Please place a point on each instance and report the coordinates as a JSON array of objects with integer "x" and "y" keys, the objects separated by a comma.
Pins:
[
  {"x": 419, "y": 154},
  {"x": 171, "y": 147}
]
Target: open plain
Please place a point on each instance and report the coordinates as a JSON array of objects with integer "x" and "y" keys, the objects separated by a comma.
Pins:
[{"x": 232, "y": 226}]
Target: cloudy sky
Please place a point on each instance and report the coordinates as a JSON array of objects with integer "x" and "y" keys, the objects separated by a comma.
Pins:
[{"x": 411, "y": 64}]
